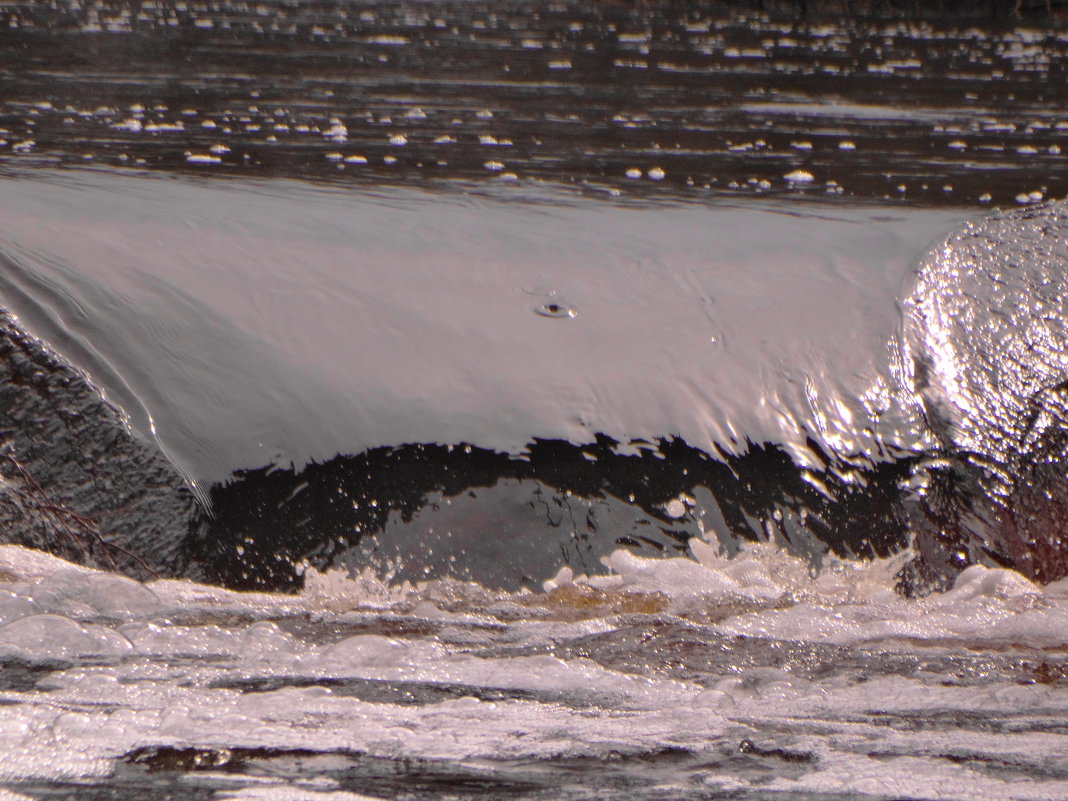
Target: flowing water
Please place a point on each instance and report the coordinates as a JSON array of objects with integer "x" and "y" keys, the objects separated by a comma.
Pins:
[{"x": 540, "y": 366}]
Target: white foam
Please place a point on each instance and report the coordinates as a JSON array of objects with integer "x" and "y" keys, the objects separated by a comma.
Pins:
[
  {"x": 175, "y": 678},
  {"x": 288, "y": 793},
  {"x": 37, "y": 637},
  {"x": 78, "y": 593}
]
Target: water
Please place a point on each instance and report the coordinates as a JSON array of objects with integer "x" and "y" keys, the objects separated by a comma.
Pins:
[
  {"x": 690, "y": 100},
  {"x": 540, "y": 366},
  {"x": 295, "y": 325},
  {"x": 721, "y": 678}
]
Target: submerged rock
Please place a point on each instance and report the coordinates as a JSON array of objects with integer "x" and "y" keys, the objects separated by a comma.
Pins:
[
  {"x": 75, "y": 480},
  {"x": 987, "y": 347}
]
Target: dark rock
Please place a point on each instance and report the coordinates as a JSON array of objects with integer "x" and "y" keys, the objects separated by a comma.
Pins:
[
  {"x": 987, "y": 343},
  {"x": 75, "y": 480}
]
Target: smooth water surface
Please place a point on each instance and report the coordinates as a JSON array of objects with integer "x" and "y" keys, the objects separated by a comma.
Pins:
[{"x": 264, "y": 323}]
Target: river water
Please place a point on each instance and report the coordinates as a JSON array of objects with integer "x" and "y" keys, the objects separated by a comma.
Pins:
[{"x": 553, "y": 351}]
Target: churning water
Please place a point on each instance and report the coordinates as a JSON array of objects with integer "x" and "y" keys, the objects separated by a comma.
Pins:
[
  {"x": 707, "y": 678},
  {"x": 540, "y": 367}
]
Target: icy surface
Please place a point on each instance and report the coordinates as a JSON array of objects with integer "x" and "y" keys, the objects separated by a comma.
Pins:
[{"x": 689, "y": 677}]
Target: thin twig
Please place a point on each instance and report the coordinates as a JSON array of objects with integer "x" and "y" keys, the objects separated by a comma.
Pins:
[{"x": 90, "y": 534}]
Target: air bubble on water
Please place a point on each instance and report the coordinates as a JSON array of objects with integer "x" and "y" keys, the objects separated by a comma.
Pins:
[
  {"x": 337, "y": 132},
  {"x": 398, "y": 140},
  {"x": 633, "y": 173},
  {"x": 552, "y": 304},
  {"x": 656, "y": 174},
  {"x": 355, "y": 159},
  {"x": 799, "y": 177},
  {"x": 56, "y": 637},
  {"x": 555, "y": 309},
  {"x": 675, "y": 508},
  {"x": 847, "y": 145},
  {"x": 13, "y": 606},
  {"x": 493, "y": 166}
]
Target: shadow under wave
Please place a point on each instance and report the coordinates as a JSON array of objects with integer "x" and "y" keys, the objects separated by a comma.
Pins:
[{"x": 423, "y": 511}]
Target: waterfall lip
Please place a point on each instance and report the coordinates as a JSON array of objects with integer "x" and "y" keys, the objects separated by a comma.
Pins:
[{"x": 817, "y": 430}]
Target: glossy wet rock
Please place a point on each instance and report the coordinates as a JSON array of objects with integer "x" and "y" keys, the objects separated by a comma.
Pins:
[
  {"x": 74, "y": 479},
  {"x": 987, "y": 346}
]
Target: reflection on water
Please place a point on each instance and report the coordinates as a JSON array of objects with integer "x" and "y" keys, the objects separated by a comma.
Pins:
[
  {"x": 663, "y": 97},
  {"x": 266, "y": 322}
]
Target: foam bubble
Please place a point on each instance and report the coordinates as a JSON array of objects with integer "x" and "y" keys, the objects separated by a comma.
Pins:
[
  {"x": 77, "y": 593},
  {"x": 47, "y": 637}
]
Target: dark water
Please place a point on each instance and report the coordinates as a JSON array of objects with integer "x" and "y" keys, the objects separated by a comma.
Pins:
[
  {"x": 694, "y": 99},
  {"x": 516, "y": 110}
]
